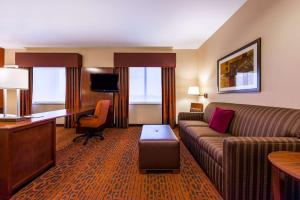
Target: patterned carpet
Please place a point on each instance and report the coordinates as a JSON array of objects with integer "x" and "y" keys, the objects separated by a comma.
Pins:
[{"x": 109, "y": 170}]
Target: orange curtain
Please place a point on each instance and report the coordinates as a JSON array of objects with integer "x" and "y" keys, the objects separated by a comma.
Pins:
[
  {"x": 168, "y": 96},
  {"x": 26, "y": 96},
  {"x": 72, "y": 93},
  {"x": 121, "y": 98}
]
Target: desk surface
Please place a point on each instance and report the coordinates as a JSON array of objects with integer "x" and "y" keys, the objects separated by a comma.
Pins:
[{"x": 39, "y": 117}]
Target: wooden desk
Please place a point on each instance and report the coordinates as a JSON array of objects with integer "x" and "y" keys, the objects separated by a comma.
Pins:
[
  {"x": 28, "y": 148},
  {"x": 286, "y": 162}
]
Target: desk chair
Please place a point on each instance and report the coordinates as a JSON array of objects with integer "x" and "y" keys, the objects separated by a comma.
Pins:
[
  {"x": 196, "y": 107},
  {"x": 93, "y": 124}
]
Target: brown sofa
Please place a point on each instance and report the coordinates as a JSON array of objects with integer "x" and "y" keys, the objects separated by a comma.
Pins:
[{"x": 236, "y": 162}]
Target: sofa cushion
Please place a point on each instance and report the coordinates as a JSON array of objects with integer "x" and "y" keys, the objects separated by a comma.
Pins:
[
  {"x": 221, "y": 119},
  {"x": 213, "y": 146},
  {"x": 183, "y": 124},
  {"x": 202, "y": 131}
]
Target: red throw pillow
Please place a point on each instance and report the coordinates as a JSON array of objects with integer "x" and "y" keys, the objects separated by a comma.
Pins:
[{"x": 221, "y": 120}]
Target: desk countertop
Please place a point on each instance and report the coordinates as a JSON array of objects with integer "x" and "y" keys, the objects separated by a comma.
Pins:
[{"x": 40, "y": 117}]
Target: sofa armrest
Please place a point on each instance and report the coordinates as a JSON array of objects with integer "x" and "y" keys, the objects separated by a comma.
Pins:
[
  {"x": 194, "y": 116},
  {"x": 247, "y": 171}
]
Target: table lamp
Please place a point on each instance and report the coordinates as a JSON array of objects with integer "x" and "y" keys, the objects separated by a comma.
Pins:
[
  {"x": 194, "y": 90},
  {"x": 12, "y": 78}
]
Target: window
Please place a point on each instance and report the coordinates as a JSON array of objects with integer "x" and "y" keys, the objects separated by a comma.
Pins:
[
  {"x": 145, "y": 85},
  {"x": 49, "y": 85}
]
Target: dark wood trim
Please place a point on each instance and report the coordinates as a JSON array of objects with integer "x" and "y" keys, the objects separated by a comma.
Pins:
[
  {"x": 258, "y": 89},
  {"x": 145, "y": 59},
  {"x": 48, "y": 59}
]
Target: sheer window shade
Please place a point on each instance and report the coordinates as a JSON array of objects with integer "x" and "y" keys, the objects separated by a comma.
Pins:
[
  {"x": 49, "y": 85},
  {"x": 145, "y": 85}
]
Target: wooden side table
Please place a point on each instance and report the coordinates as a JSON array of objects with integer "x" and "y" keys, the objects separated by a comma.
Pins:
[{"x": 286, "y": 162}]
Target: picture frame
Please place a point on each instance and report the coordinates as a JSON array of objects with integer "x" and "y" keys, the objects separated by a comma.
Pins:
[{"x": 240, "y": 71}]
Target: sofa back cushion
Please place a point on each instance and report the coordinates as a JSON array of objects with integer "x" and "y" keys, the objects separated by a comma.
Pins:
[{"x": 252, "y": 120}]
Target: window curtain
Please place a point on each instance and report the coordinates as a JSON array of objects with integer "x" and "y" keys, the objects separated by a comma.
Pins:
[
  {"x": 168, "y": 96},
  {"x": 73, "y": 76},
  {"x": 168, "y": 63},
  {"x": 121, "y": 99},
  {"x": 26, "y": 95}
]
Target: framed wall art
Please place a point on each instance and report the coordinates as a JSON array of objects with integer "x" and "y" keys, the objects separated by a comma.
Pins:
[{"x": 239, "y": 71}]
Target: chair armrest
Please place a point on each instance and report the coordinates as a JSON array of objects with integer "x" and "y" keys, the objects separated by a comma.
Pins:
[
  {"x": 80, "y": 117},
  {"x": 247, "y": 171},
  {"x": 194, "y": 116}
]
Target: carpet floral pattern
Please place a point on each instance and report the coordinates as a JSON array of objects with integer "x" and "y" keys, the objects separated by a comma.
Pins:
[{"x": 108, "y": 169}]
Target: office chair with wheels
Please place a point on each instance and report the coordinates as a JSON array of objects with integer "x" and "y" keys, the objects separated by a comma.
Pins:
[{"x": 94, "y": 124}]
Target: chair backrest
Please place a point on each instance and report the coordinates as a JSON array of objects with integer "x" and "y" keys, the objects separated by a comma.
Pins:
[
  {"x": 196, "y": 107},
  {"x": 253, "y": 120},
  {"x": 101, "y": 111}
]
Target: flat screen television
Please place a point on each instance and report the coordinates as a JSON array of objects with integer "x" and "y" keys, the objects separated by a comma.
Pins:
[{"x": 104, "y": 82}]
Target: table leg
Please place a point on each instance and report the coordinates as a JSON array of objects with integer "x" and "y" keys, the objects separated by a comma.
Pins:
[{"x": 276, "y": 183}]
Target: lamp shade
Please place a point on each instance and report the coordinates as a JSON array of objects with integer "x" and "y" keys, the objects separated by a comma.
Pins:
[
  {"x": 194, "y": 90},
  {"x": 13, "y": 78}
]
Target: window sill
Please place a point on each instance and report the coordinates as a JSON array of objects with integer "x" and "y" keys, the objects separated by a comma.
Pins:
[
  {"x": 144, "y": 103},
  {"x": 48, "y": 103}
]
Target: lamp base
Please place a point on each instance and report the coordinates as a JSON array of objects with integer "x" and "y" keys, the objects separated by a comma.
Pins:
[{"x": 11, "y": 118}]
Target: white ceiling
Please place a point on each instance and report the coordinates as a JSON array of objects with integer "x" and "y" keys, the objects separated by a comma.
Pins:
[{"x": 112, "y": 23}]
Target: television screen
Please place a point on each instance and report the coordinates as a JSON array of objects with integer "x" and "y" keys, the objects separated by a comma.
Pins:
[{"x": 104, "y": 82}]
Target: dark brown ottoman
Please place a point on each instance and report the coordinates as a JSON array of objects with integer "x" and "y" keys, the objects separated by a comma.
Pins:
[{"x": 159, "y": 149}]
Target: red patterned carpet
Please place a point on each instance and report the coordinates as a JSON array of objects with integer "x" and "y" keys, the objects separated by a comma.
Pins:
[{"x": 109, "y": 170}]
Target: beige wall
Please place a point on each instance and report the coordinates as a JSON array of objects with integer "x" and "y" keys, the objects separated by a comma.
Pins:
[
  {"x": 186, "y": 71},
  {"x": 277, "y": 22}
]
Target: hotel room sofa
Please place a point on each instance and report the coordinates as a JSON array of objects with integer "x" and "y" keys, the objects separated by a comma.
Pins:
[{"x": 236, "y": 162}]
